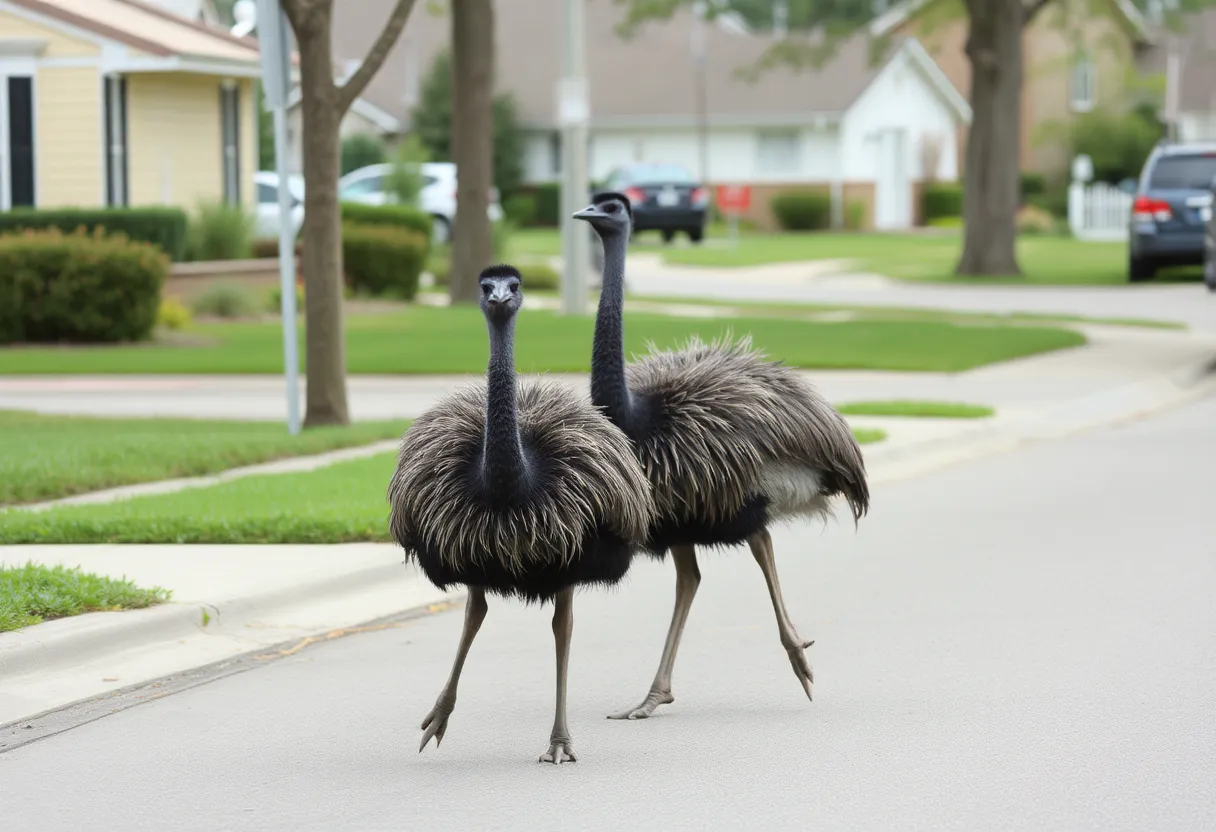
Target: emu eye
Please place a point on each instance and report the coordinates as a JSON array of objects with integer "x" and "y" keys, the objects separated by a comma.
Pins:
[
  {"x": 514, "y": 285},
  {"x": 485, "y": 289},
  {"x": 612, "y": 208}
]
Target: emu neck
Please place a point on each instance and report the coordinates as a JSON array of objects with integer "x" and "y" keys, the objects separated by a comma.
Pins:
[
  {"x": 608, "y": 387},
  {"x": 504, "y": 466}
]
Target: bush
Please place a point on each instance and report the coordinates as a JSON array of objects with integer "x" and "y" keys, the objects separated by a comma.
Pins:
[
  {"x": 220, "y": 231},
  {"x": 802, "y": 210},
  {"x": 172, "y": 314},
  {"x": 536, "y": 276},
  {"x": 941, "y": 200},
  {"x": 226, "y": 300},
  {"x": 274, "y": 299},
  {"x": 1116, "y": 142},
  {"x": 548, "y": 200},
  {"x": 165, "y": 228},
  {"x": 1032, "y": 220},
  {"x": 267, "y": 248},
  {"x": 361, "y": 150},
  {"x": 383, "y": 259},
  {"x": 405, "y": 180},
  {"x": 401, "y": 216},
  {"x": 1033, "y": 184},
  {"x": 520, "y": 209},
  {"x": 80, "y": 287},
  {"x": 855, "y": 215}
]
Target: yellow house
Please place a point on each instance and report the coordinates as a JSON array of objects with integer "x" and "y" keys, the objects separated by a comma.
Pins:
[{"x": 112, "y": 102}]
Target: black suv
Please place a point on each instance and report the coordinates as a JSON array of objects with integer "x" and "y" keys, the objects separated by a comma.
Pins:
[{"x": 1172, "y": 209}]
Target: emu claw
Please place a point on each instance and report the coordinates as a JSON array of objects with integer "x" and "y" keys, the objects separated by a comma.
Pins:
[
  {"x": 653, "y": 700},
  {"x": 802, "y": 666},
  {"x": 435, "y": 724},
  {"x": 559, "y": 752}
]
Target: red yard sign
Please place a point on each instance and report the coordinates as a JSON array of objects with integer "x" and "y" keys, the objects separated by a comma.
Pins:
[{"x": 734, "y": 199}]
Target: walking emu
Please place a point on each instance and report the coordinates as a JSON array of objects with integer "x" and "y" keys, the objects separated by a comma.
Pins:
[
  {"x": 730, "y": 442},
  {"x": 524, "y": 494}
]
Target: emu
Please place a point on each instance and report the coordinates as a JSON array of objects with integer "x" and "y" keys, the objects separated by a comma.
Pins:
[
  {"x": 522, "y": 493},
  {"x": 730, "y": 441}
]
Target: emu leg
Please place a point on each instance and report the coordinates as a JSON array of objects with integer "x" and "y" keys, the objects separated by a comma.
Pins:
[
  {"x": 688, "y": 578},
  {"x": 762, "y": 549},
  {"x": 436, "y": 722},
  {"x": 560, "y": 748}
]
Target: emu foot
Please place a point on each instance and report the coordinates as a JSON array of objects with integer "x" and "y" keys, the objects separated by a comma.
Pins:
[
  {"x": 653, "y": 700},
  {"x": 560, "y": 751},
  {"x": 802, "y": 665},
  {"x": 436, "y": 723}
]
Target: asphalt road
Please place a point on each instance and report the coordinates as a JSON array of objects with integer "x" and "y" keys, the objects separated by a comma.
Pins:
[{"x": 1026, "y": 641}]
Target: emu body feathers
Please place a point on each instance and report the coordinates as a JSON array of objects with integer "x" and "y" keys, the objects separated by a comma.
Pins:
[{"x": 584, "y": 513}]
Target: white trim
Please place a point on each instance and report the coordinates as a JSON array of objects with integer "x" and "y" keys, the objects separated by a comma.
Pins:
[
  {"x": 22, "y": 47},
  {"x": 17, "y": 67},
  {"x": 53, "y": 23},
  {"x": 817, "y": 120},
  {"x": 937, "y": 79},
  {"x": 101, "y": 139},
  {"x": 894, "y": 17},
  {"x": 201, "y": 66},
  {"x": 1083, "y": 68}
]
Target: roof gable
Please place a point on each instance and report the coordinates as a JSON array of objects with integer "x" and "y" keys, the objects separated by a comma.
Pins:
[{"x": 1123, "y": 10}]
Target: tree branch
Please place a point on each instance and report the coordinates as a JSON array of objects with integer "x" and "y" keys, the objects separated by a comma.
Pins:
[
  {"x": 1033, "y": 9},
  {"x": 354, "y": 85}
]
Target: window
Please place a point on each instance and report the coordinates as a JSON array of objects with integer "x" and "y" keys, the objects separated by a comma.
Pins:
[
  {"x": 1183, "y": 172},
  {"x": 116, "y": 140},
  {"x": 267, "y": 195},
  {"x": 1082, "y": 84},
  {"x": 18, "y": 93},
  {"x": 367, "y": 185},
  {"x": 779, "y": 151},
  {"x": 230, "y": 128}
]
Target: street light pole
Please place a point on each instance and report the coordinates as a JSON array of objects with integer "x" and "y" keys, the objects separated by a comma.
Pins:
[
  {"x": 573, "y": 111},
  {"x": 699, "y": 61}
]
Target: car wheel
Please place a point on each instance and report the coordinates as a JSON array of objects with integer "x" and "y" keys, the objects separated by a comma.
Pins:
[
  {"x": 696, "y": 234},
  {"x": 442, "y": 232},
  {"x": 668, "y": 236},
  {"x": 1140, "y": 269}
]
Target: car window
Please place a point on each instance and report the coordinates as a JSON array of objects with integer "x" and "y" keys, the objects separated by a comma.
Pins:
[
  {"x": 1184, "y": 172},
  {"x": 648, "y": 174},
  {"x": 369, "y": 185},
  {"x": 267, "y": 194},
  {"x": 428, "y": 181}
]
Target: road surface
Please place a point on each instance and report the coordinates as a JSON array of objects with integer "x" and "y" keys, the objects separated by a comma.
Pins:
[{"x": 1026, "y": 641}]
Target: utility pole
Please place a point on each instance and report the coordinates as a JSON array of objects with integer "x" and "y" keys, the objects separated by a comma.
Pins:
[
  {"x": 698, "y": 58},
  {"x": 573, "y": 112}
]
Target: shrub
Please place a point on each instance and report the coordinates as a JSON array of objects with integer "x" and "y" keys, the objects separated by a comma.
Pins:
[
  {"x": 941, "y": 200},
  {"x": 1117, "y": 142},
  {"x": 226, "y": 300},
  {"x": 383, "y": 260},
  {"x": 536, "y": 276},
  {"x": 855, "y": 215},
  {"x": 266, "y": 248},
  {"x": 1033, "y": 184},
  {"x": 1032, "y": 220},
  {"x": 401, "y": 216},
  {"x": 81, "y": 287},
  {"x": 405, "y": 181},
  {"x": 1054, "y": 201},
  {"x": 361, "y": 150},
  {"x": 802, "y": 210},
  {"x": 172, "y": 314},
  {"x": 548, "y": 200},
  {"x": 165, "y": 228},
  {"x": 220, "y": 231},
  {"x": 274, "y": 299},
  {"x": 520, "y": 209}
]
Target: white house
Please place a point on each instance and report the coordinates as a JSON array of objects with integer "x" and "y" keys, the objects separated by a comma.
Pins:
[{"x": 854, "y": 126}]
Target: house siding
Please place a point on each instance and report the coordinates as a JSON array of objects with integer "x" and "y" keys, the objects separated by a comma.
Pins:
[
  {"x": 175, "y": 142},
  {"x": 59, "y": 45},
  {"x": 69, "y": 137}
]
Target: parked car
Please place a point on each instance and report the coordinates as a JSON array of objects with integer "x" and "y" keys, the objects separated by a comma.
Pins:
[
  {"x": 1209, "y": 246},
  {"x": 1172, "y": 208},
  {"x": 438, "y": 197},
  {"x": 665, "y": 198},
  {"x": 268, "y": 214}
]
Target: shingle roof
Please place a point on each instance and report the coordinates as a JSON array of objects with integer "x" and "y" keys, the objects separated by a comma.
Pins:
[
  {"x": 649, "y": 77},
  {"x": 147, "y": 28}
]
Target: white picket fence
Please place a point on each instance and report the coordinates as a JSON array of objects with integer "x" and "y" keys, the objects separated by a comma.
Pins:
[{"x": 1098, "y": 212}]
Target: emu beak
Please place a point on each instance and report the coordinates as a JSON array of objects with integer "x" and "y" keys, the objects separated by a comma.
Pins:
[
  {"x": 588, "y": 213},
  {"x": 498, "y": 296}
]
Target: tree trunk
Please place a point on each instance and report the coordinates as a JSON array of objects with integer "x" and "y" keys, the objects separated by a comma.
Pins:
[
  {"x": 325, "y": 342},
  {"x": 990, "y": 172},
  {"x": 472, "y": 143}
]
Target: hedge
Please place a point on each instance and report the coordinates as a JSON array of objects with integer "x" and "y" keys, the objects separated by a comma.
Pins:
[
  {"x": 383, "y": 259},
  {"x": 802, "y": 210},
  {"x": 941, "y": 200},
  {"x": 398, "y": 215},
  {"x": 535, "y": 276},
  {"x": 78, "y": 287},
  {"x": 166, "y": 228},
  {"x": 547, "y": 201}
]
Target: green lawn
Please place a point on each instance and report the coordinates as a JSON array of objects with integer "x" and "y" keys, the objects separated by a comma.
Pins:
[
  {"x": 429, "y": 340},
  {"x": 32, "y": 594},
  {"x": 44, "y": 457},
  {"x": 917, "y": 409},
  {"x": 340, "y": 503},
  {"x": 1045, "y": 259}
]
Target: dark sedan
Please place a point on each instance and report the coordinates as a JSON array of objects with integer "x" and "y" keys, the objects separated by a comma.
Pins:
[
  {"x": 1172, "y": 209},
  {"x": 665, "y": 198}
]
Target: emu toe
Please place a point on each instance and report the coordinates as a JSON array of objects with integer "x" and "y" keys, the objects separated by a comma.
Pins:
[
  {"x": 653, "y": 700},
  {"x": 559, "y": 752},
  {"x": 802, "y": 666},
  {"x": 435, "y": 724}
]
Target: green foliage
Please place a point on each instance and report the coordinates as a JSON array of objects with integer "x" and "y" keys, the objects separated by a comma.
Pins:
[
  {"x": 396, "y": 215},
  {"x": 226, "y": 300},
  {"x": 268, "y": 248},
  {"x": 165, "y": 228},
  {"x": 172, "y": 314},
  {"x": 34, "y": 593},
  {"x": 802, "y": 210},
  {"x": 265, "y": 130},
  {"x": 855, "y": 215},
  {"x": 383, "y": 259},
  {"x": 432, "y": 119},
  {"x": 547, "y": 198},
  {"x": 274, "y": 299},
  {"x": 520, "y": 209},
  {"x": 361, "y": 150},
  {"x": 220, "y": 231},
  {"x": 78, "y": 287},
  {"x": 941, "y": 200},
  {"x": 405, "y": 179},
  {"x": 1033, "y": 184},
  {"x": 1117, "y": 142},
  {"x": 538, "y": 277}
]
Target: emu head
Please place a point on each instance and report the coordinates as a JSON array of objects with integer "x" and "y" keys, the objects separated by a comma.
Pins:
[
  {"x": 501, "y": 292},
  {"x": 609, "y": 213}
]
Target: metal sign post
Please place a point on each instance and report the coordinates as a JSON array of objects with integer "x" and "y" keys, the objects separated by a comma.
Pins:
[
  {"x": 572, "y": 114},
  {"x": 274, "y": 40}
]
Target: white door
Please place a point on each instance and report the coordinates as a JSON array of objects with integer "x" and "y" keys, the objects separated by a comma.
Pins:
[{"x": 892, "y": 189}]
